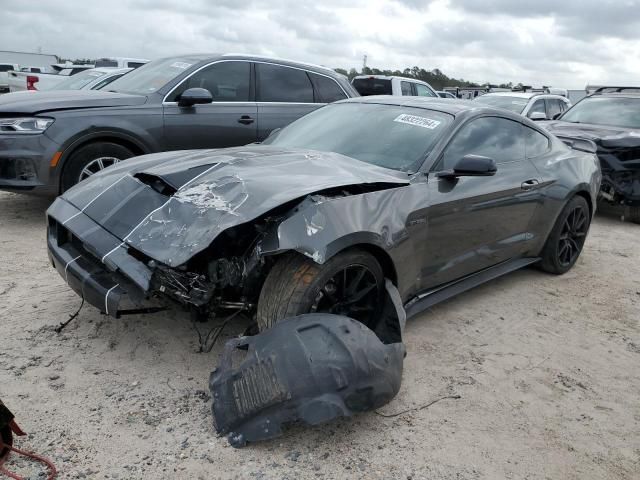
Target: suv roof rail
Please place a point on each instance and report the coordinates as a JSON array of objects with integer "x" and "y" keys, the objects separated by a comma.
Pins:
[{"x": 615, "y": 90}]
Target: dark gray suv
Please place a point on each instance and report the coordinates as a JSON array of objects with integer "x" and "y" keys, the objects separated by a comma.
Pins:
[{"x": 50, "y": 141}]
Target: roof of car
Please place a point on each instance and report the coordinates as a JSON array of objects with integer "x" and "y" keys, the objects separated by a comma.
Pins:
[
  {"x": 512, "y": 94},
  {"x": 446, "y": 105},
  {"x": 388, "y": 77},
  {"x": 110, "y": 70},
  {"x": 204, "y": 57}
]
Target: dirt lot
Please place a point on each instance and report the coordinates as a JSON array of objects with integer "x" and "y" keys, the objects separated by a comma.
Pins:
[{"x": 547, "y": 370}]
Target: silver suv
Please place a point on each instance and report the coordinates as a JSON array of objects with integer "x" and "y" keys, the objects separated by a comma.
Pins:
[{"x": 536, "y": 106}]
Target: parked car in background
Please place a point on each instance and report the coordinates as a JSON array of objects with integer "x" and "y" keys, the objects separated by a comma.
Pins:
[
  {"x": 610, "y": 117},
  {"x": 92, "y": 79},
  {"x": 439, "y": 195},
  {"x": 536, "y": 106},
  {"x": 36, "y": 70},
  {"x": 120, "y": 62},
  {"x": 20, "y": 81},
  {"x": 5, "y": 68},
  {"x": 443, "y": 94},
  {"x": 50, "y": 141},
  {"x": 392, "y": 85}
]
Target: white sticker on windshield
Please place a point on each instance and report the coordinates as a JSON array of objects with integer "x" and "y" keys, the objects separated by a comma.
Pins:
[
  {"x": 181, "y": 65},
  {"x": 417, "y": 121}
]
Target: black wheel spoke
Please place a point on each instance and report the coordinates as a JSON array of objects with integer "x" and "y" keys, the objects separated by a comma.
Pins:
[{"x": 352, "y": 291}]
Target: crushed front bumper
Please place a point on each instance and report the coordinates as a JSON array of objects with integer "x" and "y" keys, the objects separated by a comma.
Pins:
[{"x": 95, "y": 264}]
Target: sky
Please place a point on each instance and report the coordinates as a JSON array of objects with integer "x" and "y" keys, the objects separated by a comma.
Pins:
[{"x": 561, "y": 43}]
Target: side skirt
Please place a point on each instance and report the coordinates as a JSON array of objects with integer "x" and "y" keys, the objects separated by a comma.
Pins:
[{"x": 444, "y": 292}]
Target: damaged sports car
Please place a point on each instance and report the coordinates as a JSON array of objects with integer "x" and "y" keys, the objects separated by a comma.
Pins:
[
  {"x": 436, "y": 195},
  {"x": 611, "y": 119}
]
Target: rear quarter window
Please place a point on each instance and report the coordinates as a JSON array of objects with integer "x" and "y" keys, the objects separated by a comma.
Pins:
[
  {"x": 372, "y": 86},
  {"x": 536, "y": 143},
  {"x": 327, "y": 89}
]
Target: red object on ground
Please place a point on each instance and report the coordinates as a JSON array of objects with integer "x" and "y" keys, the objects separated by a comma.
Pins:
[{"x": 9, "y": 427}]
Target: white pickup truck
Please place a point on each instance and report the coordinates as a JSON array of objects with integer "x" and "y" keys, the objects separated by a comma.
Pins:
[
  {"x": 21, "y": 81},
  {"x": 5, "y": 68}
]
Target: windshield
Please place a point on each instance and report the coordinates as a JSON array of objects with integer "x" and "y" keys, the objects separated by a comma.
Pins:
[
  {"x": 152, "y": 76},
  {"x": 513, "y": 104},
  {"x": 386, "y": 135},
  {"x": 77, "y": 81},
  {"x": 617, "y": 112}
]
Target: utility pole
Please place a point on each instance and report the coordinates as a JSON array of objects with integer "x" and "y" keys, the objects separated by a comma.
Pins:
[{"x": 364, "y": 61}]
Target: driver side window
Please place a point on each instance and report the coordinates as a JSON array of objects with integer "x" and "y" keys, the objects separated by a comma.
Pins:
[
  {"x": 226, "y": 81},
  {"x": 492, "y": 137}
]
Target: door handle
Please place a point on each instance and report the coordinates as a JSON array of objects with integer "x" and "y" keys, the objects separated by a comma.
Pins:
[
  {"x": 529, "y": 184},
  {"x": 246, "y": 120}
]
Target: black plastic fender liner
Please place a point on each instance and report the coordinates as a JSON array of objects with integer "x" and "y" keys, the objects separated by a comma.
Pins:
[{"x": 311, "y": 369}]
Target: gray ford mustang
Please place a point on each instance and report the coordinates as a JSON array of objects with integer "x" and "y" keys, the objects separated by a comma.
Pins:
[{"x": 436, "y": 195}]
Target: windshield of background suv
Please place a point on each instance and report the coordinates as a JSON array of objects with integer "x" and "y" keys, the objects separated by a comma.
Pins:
[
  {"x": 372, "y": 86},
  {"x": 514, "y": 104},
  {"x": 77, "y": 81},
  {"x": 153, "y": 76},
  {"x": 389, "y": 136},
  {"x": 617, "y": 112}
]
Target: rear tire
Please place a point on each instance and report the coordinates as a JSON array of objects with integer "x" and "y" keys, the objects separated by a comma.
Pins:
[
  {"x": 297, "y": 285},
  {"x": 565, "y": 242},
  {"x": 90, "y": 159}
]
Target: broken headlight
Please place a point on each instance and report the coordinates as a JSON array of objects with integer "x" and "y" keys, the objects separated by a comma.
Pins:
[{"x": 28, "y": 125}]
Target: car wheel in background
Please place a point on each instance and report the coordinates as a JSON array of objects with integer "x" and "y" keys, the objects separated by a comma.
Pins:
[
  {"x": 350, "y": 283},
  {"x": 567, "y": 238},
  {"x": 91, "y": 159}
]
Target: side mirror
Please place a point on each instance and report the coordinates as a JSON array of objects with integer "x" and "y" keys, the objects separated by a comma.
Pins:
[
  {"x": 557, "y": 116},
  {"x": 471, "y": 166},
  {"x": 195, "y": 96},
  {"x": 535, "y": 116}
]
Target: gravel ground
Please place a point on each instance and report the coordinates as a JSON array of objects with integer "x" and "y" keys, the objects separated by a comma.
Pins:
[{"x": 547, "y": 370}]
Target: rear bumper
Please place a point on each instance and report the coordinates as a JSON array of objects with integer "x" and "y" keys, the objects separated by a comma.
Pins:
[{"x": 94, "y": 263}]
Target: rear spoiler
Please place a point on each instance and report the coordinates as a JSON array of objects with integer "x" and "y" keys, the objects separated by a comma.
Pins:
[{"x": 581, "y": 144}]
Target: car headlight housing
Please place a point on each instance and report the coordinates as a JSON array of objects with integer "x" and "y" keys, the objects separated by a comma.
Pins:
[{"x": 25, "y": 125}]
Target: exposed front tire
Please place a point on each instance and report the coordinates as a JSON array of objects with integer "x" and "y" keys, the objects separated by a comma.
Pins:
[
  {"x": 565, "y": 242},
  {"x": 351, "y": 283},
  {"x": 91, "y": 159}
]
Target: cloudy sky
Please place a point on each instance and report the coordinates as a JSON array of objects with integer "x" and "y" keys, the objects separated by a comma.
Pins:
[{"x": 564, "y": 43}]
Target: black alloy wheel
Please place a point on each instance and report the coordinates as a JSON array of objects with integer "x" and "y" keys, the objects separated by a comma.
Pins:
[
  {"x": 566, "y": 239},
  {"x": 352, "y": 292},
  {"x": 572, "y": 236}
]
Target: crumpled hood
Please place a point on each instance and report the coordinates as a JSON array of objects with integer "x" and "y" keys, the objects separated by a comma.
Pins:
[
  {"x": 39, "y": 102},
  {"x": 606, "y": 136},
  {"x": 172, "y": 205}
]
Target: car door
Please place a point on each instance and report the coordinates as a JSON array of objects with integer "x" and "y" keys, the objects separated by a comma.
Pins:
[
  {"x": 554, "y": 107},
  {"x": 538, "y": 106},
  {"x": 283, "y": 94},
  {"x": 230, "y": 120},
  {"x": 424, "y": 91},
  {"x": 477, "y": 222},
  {"x": 406, "y": 88}
]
